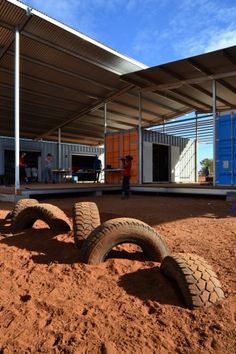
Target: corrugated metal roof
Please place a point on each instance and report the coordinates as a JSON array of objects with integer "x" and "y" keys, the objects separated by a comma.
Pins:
[
  {"x": 66, "y": 77},
  {"x": 188, "y": 82},
  {"x": 63, "y": 74}
]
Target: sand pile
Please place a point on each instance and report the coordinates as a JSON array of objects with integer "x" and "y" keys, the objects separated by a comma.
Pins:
[{"x": 51, "y": 303}]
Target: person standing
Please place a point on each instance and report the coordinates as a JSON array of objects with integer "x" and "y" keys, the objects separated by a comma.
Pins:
[
  {"x": 23, "y": 166},
  {"x": 126, "y": 164},
  {"x": 97, "y": 166},
  {"x": 48, "y": 169}
]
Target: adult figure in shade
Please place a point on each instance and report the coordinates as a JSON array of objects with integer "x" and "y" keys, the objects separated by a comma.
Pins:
[
  {"x": 126, "y": 164},
  {"x": 23, "y": 167},
  {"x": 48, "y": 176},
  {"x": 97, "y": 166}
]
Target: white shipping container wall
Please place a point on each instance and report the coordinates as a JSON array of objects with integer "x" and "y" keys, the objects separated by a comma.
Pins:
[{"x": 182, "y": 162}]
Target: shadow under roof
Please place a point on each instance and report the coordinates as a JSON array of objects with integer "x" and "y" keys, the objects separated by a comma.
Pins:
[
  {"x": 66, "y": 77},
  {"x": 188, "y": 82}
]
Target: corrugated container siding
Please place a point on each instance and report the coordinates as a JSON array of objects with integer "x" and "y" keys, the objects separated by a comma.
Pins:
[
  {"x": 226, "y": 149},
  {"x": 126, "y": 143},
  {"x": 187, "y": 150},
  {"x": 45, "y": 147},
  {"x": 118, "y": 145}
]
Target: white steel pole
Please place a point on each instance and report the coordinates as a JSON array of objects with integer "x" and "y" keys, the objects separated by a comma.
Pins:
[
  {"x": 105, "y": 132},
  {"x": 196, "y": 148},
  {"x": 17, "y": 110},
  {"x": 214, "y": 129},
  {"x": 59, "y": 148},
  {"x": 140, "y": 152}
]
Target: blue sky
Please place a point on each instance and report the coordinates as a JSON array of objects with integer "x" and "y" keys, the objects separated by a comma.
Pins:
[{"x": 150, "y": 31}]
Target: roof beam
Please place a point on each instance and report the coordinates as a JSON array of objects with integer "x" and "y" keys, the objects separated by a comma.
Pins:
[
  {"x": 52, "y": 84},
  {"x": 162, "y": 105},
  {"x": 21, "y": 27},
  {"x": 195, "y": 86},
  {"x": 57, "y": 111},
  {"x": 43, "y": 95},
  {"x": 208, "y": 72},
  {"x": 114, "y": 123},
  {"x": 231, "y": 59},
  {"x": 70, "y": 53},
  {"x": 170, "y": 97},
  {"x": 176, "y": 85},
  {"x": 89, "y": 109},
  {"x": 209, "y": 94},
  {"x": 185, "y": 96},
  {"x": 6, "y": 26},
  {"x": 169, "y": 86},
  {"x": 64, "y": 71},
  {"x": 136, "y": 108}
]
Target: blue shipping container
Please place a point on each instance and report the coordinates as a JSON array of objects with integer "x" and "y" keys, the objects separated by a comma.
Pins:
[{"x": 226, "y": 149}]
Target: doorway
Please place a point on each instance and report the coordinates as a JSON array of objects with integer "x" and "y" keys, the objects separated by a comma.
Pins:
[
  {"x": 31, "y": 160},
  {"x": 160, "y": 159}
]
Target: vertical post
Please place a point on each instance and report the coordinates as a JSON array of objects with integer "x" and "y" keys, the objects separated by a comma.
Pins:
[
  {"x": 59, "y": 148},
  {"x": 196, "y": 147},
  {"x": 214, "y": 129},
  {"x": 163, "y": 126},
  {"x": 17, "y": 110},
  {"x": 140, "y": 152},
  {"x": 105, "y": 132}
]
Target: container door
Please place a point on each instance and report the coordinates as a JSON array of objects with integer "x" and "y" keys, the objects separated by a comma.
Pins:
[
  {"x": 226, "y": 149},
  {"x": 147, "y": 162},
  {"x": 175, "y": 165}
]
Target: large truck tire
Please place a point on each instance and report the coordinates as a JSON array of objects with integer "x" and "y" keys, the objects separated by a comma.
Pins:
[
  {"x": 21, "y": 205},
  {"x": 85, "y": 219},
  {"x": 118, "y": 231},
  {"x": 196, "y": 280},
  {"x": 53, "y": 216}
]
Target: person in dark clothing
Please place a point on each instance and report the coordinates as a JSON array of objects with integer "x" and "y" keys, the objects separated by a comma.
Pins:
[
  {"x": 207, "y": 171},
  {"x": 97, "y": 166},
  {"x": 126, "y": 164},
  {"x": 23, "y": 166}
]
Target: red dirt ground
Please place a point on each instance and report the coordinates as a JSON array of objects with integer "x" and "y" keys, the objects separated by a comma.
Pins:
[{"x": 51, "y": 303}]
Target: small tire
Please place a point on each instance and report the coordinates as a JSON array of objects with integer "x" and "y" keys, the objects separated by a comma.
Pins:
[
  {"x": 53, "y": 216},
  {"x": 85, "y": 219},
  {"x": 21, "y": 205},
  {"x": 118, "y": 231},
  {"x": 197, "y": 282}
]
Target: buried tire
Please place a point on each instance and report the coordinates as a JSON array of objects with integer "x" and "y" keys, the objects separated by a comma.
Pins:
[
  {"x": 21, "y": 205},
  {"x": 118, "y": 231},
  {"x": 85, "y": 219},
  {"x": 195, "y": 278},
  {"x": 53, "y": 216}
]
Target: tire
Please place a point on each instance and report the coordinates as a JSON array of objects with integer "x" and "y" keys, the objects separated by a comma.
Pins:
[
  {"x": 195, "y": 278},
  {"x": 21, "y": 205},
  {"x": 54, "y": 217},
  {"x": 118, "y": 231},
  {"x": 85, "y": 219}
]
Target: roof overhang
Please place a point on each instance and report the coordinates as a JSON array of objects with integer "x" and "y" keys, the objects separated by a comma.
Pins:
[
  {"x": 189, "y": 81},
  {"x": 67, "y": 77}
]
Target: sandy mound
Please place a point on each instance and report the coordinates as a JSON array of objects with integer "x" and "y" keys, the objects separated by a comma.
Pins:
[{"x": 51, "y": 303}]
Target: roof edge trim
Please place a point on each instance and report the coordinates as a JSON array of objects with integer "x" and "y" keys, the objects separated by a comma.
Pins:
[{"x": 77, "y": 33}]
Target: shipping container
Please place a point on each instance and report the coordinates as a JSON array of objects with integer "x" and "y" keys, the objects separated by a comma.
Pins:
[
  {"x": 165, "y": 158},
  {"x": 225, "y": 147},
  {"x": 72, "y": 156}
]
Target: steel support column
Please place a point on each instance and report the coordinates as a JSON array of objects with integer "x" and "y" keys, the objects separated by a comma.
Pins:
[
  {"x": 214, "y": 108},
  {"x": 105, "y": 132},
  {"x": 17, "y": 110},
  {"x": 140, "y": 145},
  {"x": 196, "y": 147},
  {"x": 59, "y": 148}
]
